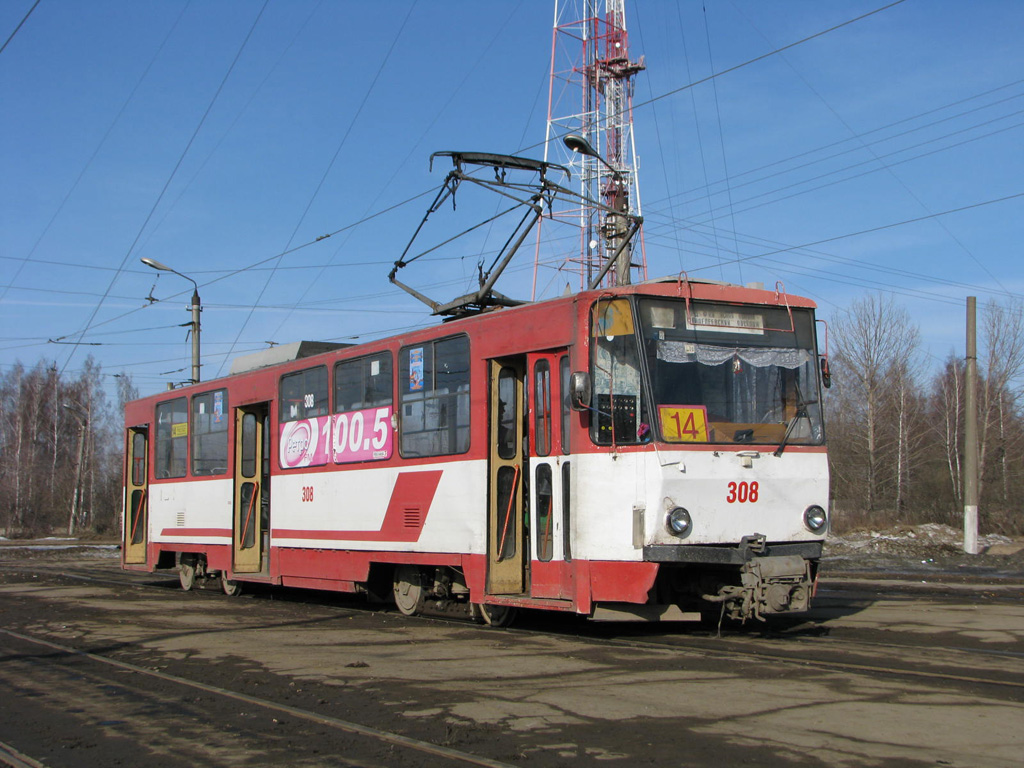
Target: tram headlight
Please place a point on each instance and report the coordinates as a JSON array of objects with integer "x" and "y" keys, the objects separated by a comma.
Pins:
[
  {"x": 679, "y": 523},
  {"x": 815, "y": 519}
]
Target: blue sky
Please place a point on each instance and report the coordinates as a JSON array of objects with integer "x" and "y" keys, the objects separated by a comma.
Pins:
[{"x": 332, "y": 109}]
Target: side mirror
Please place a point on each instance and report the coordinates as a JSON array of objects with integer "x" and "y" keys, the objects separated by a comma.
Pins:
[
  {"x": 826, "y": 376},
  {"x": 579, "y": 391}
]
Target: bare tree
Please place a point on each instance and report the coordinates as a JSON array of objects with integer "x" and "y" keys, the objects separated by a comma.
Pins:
[
  {"x": 875, "y": 344},
  {"x": 1003, "y": 360},
  {"x": 948, "y": 407},
  {"x": 60, "y": 449}
]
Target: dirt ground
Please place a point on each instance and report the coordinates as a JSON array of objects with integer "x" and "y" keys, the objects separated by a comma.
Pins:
[{"x": 880, "y": 673}]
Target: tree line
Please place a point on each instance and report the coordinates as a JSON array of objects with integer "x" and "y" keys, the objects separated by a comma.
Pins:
[
  {"x": 61, "y": 450},
  {"x": 894, "y": 420}
]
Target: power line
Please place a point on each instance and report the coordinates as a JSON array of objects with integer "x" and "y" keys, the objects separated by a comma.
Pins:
[
  {"x": 20, "y": 23},
  {"x": 874, "y": 156},
  {"x": 859, "y": 175},
  {"x": 88, "y": 163},
  {"x": 330, "y": 165},
  {"x": 238, "y": 116},
  {"x": 259, "y": 263},
  {"x": 746, "y": 63},
  {"x": 721, "y": 137},
  {"x": 846, "y": 261},
  {"x": 167, "y": 184},
  {"x": 860, "y": 136},
  {"x": 412, "y": 150},
  {"x": 882, "y": 227}
]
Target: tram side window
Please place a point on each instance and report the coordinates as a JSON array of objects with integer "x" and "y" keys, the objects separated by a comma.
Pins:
[
  {"x": 542, "y": 407},
  {"x": 210, "y": 433},
  {"x": 171, "y": 438},
  {"x": 304, "y": 394},
  {"x": 138, "y": 458},
  {"x": 434, "y": 393},
  {"x": 545, "y": 520},
  {"x": 566, "y": 512},
  {"x": 565, "y": 406},
  {"x": 363, "y": 383}
]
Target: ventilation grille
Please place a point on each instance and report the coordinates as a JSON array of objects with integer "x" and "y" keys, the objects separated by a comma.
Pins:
[
  {"x": 180, "y": 521},
  {"x": 412, "y": 517}
]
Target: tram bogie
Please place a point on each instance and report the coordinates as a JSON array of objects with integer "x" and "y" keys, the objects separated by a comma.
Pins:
[{"x": 650, "y": 452}]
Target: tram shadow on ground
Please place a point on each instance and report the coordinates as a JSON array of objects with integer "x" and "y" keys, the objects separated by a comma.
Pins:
[{"x": 810, "y": 624}]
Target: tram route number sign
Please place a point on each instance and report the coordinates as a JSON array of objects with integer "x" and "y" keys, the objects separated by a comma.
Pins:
[
  {"x": 684, "y": 423},
  {"x": 342, "y": 438}
]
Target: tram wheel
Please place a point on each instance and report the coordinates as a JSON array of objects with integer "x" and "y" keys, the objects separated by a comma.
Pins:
[
  {"x": 187, "y": 573},
  {"x": 409, "y": 594},
  {"x": 496, "y": 615},
  {"x": 231, "y": 588}
]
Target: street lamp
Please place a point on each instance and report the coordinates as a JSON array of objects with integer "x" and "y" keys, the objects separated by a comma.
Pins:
[
  {"x": 584, "y": 147},
  {"x": 614, "y": 227},
  {"x": 196, "y": 309}
]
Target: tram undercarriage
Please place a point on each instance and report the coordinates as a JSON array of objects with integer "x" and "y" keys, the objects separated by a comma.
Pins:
[{"x": 754, "y": 580}]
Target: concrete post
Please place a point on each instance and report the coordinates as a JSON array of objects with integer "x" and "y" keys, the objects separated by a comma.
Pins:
[{"x": 971, "y": 433}]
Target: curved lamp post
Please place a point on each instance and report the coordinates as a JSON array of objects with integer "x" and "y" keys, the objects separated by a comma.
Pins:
[
  {"x": 196, "y": 309},
  {"x": 614, "y": 227}
]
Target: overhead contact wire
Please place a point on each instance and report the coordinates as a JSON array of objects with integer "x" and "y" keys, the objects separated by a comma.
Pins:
[
  {"x": 167, "y": 184},
  {"x": 88, "y": 164},
  {"x": 20, "y": 25},
  {"x": 326, "y": 173}
]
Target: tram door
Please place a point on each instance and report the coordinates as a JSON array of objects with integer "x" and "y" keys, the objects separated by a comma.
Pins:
[
  {"x": 136, "y": 523},
  {"x": 506, "y": 542},
  {"x": 252, "y": 495}
]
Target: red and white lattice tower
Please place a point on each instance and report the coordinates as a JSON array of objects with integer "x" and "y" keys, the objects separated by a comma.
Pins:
[{"x": 591, "y": 95}]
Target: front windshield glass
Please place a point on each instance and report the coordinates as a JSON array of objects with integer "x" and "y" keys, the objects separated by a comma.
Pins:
[{"x": 731, "y": 374}]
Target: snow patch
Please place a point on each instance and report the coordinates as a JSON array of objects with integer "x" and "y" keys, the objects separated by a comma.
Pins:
[{"x": 933, "y": 534}]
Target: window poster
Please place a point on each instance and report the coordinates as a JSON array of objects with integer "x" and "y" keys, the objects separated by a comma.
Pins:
[{"x": 416, "y": 369}]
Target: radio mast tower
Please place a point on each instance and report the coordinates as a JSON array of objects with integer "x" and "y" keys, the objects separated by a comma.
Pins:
[{"x": 591, "y": 96}]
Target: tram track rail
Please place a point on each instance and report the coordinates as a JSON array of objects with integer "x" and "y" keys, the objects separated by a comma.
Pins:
[
  {"x": 11, "y": 756},
  {"x": 820, "y": 652},
  {"x": 760, "y": 655}
]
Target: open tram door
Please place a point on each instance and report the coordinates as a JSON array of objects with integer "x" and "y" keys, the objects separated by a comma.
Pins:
[
  {"x": 251, "y": 519},
  {"x": 506, "y": 540},
  {"x": 136, "y": 517}
]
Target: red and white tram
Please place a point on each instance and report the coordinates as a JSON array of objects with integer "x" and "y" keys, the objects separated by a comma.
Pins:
[{"x": 649, "y": 451}]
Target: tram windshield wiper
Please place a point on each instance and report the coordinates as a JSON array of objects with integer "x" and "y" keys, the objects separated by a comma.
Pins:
[{"x": 801, "y": 413}]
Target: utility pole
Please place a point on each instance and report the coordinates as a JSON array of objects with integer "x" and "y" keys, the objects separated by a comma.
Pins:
[
  {"x": 196, "y": 309},
  {"x": 971, "y": 433}
]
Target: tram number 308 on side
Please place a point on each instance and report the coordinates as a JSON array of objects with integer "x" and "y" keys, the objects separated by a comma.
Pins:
[{"x": 742, "y": 493}]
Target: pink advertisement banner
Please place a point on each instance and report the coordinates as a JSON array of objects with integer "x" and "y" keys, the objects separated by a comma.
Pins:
[{"x": 365, "y": 435}]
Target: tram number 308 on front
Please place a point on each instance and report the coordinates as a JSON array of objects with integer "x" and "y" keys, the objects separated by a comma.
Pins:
[{"x": 742, "y": 493}]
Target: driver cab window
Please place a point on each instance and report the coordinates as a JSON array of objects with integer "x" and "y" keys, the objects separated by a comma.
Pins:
[{"x": 621, "y": 413}]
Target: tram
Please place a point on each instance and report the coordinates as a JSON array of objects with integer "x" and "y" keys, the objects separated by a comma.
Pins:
[{"x": 649, "y": 451}]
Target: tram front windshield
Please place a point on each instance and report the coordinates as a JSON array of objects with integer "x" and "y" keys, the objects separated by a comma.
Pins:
[{"x": 731, "y": 374}]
